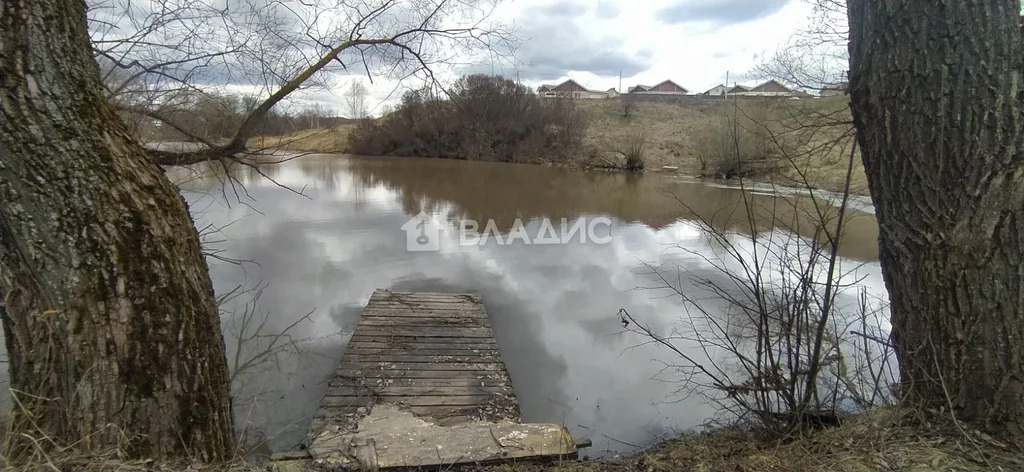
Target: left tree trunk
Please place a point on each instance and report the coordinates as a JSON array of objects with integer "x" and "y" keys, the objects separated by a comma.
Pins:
[{"x": 111, "y": 328}]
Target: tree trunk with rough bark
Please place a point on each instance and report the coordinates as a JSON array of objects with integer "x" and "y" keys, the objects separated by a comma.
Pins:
[
  {"x": 109, "y": 317},
  {"x": 936, "y": 92}
]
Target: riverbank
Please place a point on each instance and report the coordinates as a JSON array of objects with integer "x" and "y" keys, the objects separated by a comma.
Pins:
[
  {"x": 684, "y": 136},
  {"x": 882, "y": 439}
]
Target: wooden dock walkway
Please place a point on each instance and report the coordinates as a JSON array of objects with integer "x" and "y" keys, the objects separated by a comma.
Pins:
[{"x": 422, "y": 384}]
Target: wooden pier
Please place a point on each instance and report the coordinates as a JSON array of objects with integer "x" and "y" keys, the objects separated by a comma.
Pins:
[{"x": 422, "y": 384}]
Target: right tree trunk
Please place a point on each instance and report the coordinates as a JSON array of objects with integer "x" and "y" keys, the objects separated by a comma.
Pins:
[
  {"x": 936, "y": 91},
  {"x": 112, "y": 333}
]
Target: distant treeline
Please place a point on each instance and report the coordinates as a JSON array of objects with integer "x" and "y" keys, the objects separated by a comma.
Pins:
[
  {"x": 482, "y": 118},
  {"x": 210, "y": 117}
]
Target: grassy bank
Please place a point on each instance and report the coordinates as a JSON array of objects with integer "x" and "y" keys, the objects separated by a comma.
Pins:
[
  {"x": 328, "y": 140},
  {"x": 884, "y": 439},
  {"x": 691, "y": 136}
]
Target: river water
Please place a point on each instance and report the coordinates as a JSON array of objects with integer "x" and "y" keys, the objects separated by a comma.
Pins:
[
  {"x": 315, "y": 236},
  {"x": 323, "y": 232}
]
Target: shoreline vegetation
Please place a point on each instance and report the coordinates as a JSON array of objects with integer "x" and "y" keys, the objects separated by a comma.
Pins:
[{"x": 790, "y": 143}]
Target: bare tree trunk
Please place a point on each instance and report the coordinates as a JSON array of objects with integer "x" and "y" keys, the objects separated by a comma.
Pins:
[
  {"x": 936, "y": 93},
  {"x": 110, "y": 322}
]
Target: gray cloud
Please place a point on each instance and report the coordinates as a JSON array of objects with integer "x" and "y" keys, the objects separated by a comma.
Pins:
[
  {"x": 720, "y": 11},
  {"x": 555, "y": 47},
  {"x": 563, "y": 8}
]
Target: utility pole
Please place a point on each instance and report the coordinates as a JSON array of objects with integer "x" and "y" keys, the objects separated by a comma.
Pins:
[
  {"x": 726, "y": 85},
  {"x": 620, "y": 83}
]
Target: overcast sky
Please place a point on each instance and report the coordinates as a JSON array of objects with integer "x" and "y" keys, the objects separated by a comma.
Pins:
[{"x": 692, "y": 42}]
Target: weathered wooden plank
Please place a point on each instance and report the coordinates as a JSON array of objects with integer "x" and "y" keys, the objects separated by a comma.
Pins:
[
  {"x": 419, "y": 400},
  {"x": 403, "y": 296},
  {"x": 431, "y": 322},
  {"x": 424, "y": 332},
  {"x": 433, "y": 306},
  {"x": 390, "y": 293},
  {"x": 418, "y": 374},
  {"x": 373, "y": 360},
  {"x": 420, "y": 349},
  {"x": 454, "y": 311},
  {"x": 406, "y": 391},
  {"x": 435, "y": 412},
  {"x": 360, "y": 338},
  {"x": 418, "y": 317},
  {"x": 371, "y": 367},
  {"x": 412, "y": 382}
]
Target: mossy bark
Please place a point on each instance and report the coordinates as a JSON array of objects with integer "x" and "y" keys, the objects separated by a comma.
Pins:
[
  {"x": 109, "y": 316},
  {"x": 937, "y": 100}
]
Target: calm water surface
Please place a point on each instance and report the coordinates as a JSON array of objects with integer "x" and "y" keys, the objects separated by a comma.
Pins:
[{"x": 553, "y": 307}]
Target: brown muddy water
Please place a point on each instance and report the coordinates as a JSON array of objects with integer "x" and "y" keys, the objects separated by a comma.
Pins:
[{"x": 554, "y": 307}]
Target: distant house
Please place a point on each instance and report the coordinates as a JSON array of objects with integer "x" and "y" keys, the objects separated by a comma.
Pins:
[
  {"x": 738, "y": 90},
  {"x": 667, "y": 87},
  {"x": 569, "y": 89},
  {"x": 612, "y": 93},
  {"x": 771, "y": 88},
  {"x": 716, "y": 91},
  {"x": 832, "y": 90}
]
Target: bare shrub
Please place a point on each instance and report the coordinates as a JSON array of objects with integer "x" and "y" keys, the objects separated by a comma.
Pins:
[
  {"x": 769, "y": 331},
  {"x": 736, "y": 142},
  {"x": 631, "y": 150},
  {"x": 761, "y": 137}
]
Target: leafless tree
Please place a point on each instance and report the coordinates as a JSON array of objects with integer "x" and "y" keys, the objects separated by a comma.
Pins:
[
  {"x": 272, "y": 49},
  {"x": 355, "y": 98},
  {"x": 314, "y": 115},
  {"x": 110, "y": 320},
  {"x": 815, "y": 57}
]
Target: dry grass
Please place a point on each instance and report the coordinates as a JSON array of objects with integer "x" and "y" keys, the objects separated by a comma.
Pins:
[
  {"x": 678, "y": 131},
  {"x": 884, "y": 439},
  {"x": 881, "y": 440},
  {"x": 327, "y": 140}
]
